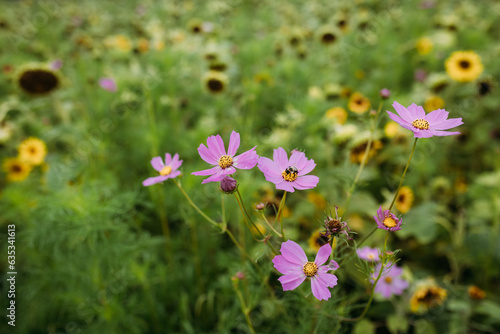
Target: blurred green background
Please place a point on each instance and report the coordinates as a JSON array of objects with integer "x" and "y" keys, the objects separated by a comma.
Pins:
[{"x": 96, "y": 252}]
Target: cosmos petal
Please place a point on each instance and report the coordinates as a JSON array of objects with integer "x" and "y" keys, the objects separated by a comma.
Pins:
[
  {"x": 153, "y": 180},
  {"x": 403, "y": 112},
  {"x": 207, "y": 155},
  {"x": 286, "y": 267},
  {"x": 286, "y": 186},
  {"x": 280, "y": 158},
  {"x": 319, "y": 290},
  {"x": 293, "y": 252},
  {"x": 306, "y": 182},
  {"x": 323, "y": 254},
  {"x": 246, "y": 160},
  {"x": 234, "y": 143},
  {"x": 157, "y": 163},
  {"x": 210, "y": 171},
  {"x": 290, "y": 282}
]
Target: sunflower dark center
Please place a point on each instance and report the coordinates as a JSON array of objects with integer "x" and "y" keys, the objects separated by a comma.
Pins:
[
  {"x": 38, "y": 81},
  {"x": 215, "y": 85},
  {"x": 16, "y": 168},
  {"x": 465, "y": 64},
  {"x": 328, "y": 37}
]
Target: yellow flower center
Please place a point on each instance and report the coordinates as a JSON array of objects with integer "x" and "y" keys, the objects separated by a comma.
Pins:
[
  {"x": 389, "y": 222},
  {"x": 371, "y": 257},
  {"x": 421, "y": 124},
  {"x": 388, "y": 280},
  {"x": 290, "y": 174},
  {"x": 310, "y": 269},
  {"x": 225, "y": 161},
  {"x": 166, "y": 170}
]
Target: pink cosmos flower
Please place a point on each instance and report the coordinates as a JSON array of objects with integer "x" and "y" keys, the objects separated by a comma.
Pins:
[
  {"x": 387, "y": 220},
  {"x": 424, "y": 125},
  {"x": 368, "y": 254},
  {"x": 390, "y": 283},
  {"x": 295, "y": 267},
  {"x": 108, "y": 84},
  {"x": 167, "y": 170},
  {"x": 225, "y": 163},
  {"x": 288, "y": 174}
]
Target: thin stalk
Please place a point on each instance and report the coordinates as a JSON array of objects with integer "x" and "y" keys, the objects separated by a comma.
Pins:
[
  {"x": 279, "y": 216},
  {"x": 404, "y": 174},
  {"x": 365, "y": 158},
  {"x": 270, "y": 226},
  {"x": 210, "y": 220},
  {"x": 244, "y": 308}
]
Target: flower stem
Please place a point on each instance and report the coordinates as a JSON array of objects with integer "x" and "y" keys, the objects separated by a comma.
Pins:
[
  {"x": 365, "y": 158},
  {"x": 362, "y": 315},
  {"x": 270, "y": 226},
  {"x": 404, "y": 174},
  {"x": 210, "y": 220},
  {"x": 244, "y": 308},
  {"x": 279, "y": 215}
]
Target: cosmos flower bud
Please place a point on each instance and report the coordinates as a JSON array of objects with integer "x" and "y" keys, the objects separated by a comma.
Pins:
[
  {"x": 260, "y": 206},
  {"x": 385, "y": 93},
  {"x": 228, "y": 185}
]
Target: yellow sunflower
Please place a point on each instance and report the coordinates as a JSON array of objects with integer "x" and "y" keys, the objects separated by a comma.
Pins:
[
  {"x": 37, "y": 80},
  {"x": 215, "y": 81},
  {"x": 32, "y": 151},
  {"x": 358, "y": 152},
  {"x": 404, "y": 201},
  {"x": 433, "y": 103},
  {"x": 317, "y": 240},
  {"x": 426, "y": 296},
  {"x": 464, "y": 66},
  {"x": 358, "y": 103},
  {"x": 317, "y": 199},
  {"x": 337, "y": 113},
  {"x": 16, "y": 169},
  {"x": 391, "y": 129},
  {"x": 424, "y": 45},
  {"x": 476, "y": 293}
]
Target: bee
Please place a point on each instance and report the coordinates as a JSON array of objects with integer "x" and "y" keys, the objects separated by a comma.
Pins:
[{"x": 292, "y": 170}]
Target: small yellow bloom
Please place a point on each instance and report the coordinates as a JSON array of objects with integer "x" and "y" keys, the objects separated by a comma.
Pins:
[
  {"x": 358, "y": 152},
  {"x": 476, "y": 293},
  {"x": 16, "y": 169},
  {"x": 317, "y": 240},
  {"x": 391, "y": 129},
  {"x": 338, "y": 113},
  {"x": 464, "y": 66},
  {"x": 142, "y": 45},
  {"x": 32, "y": 151},
  {"x": 404, "y": 201},
  {"x": 426, "y": 296},
  {"x": 317, "y": 199},
  {"x": 358, "y": 103},
  {"x": 424, "y": 45},
  {"x": 433, "y": 103}
]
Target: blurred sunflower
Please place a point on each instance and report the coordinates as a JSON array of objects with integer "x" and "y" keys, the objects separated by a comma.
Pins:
[
  {"x": 258, "y": 229},
  {"x": 358, "y": 152},
  {"x": 215, "y": 81},
  {"x": 424, "y": 45},
  {"x": 476, "y": 293},
  {"x": 337, "y": 113},
  {"x": 484, "y": 87},
  {"x": 118, "y": 42},
  {"x": 317, "y": 240},
  {"x": 16, "y": 169},
  {"x": 426, "y": 296},
  {"x": 358, "y": 103},
  {"x": 391, "y": 129},
  {"x": 142, "y": 45},
  {"x": 464, "y": 66},
  {"x": 32, "y": 151},
  {"x": 195, "y": 26},
  {"x": 433, "y": 103},
  {"x": 404, "y": 201},
  {"x": 317, "y": 199},
  {"x": 38, "y": 80},
  {"x": 327, "y": 35}
]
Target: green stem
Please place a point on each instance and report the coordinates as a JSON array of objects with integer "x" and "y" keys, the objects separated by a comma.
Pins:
[
  {"x": 270, "y": 226},
  {"x": 279, "y": 216},
  {"x": 244, "y": 211},
  {"x": 365, "y": 158},
  {"x": 210, "y": 220},
  {"x": 245, "y": 219},
  {"x": 362, "y": 315},
  {"x": 404, "y": 173},
  {"x": 244, "y": 308}
]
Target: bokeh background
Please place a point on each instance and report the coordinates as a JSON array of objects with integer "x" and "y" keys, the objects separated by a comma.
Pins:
[{"x": 101, "y": 87}]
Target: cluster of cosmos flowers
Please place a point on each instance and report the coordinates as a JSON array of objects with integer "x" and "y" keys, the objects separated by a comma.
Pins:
[{"x": 292, "y": 173}]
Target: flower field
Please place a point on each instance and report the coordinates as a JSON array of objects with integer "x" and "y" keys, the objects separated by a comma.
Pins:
[{"x": 244, "y": 166}]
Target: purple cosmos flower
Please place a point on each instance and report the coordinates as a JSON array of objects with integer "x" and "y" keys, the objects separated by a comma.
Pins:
[
  {"x": 289, "y": 174},
  {"x": 387, "y": 220},
  {"x": 424, "y": 125},
  {"x": 108, "y": 84},
  {"x": 225, "y": 162},
  {"x": 293, "y": 264},
  {"x": 167, "y": 170},
  {"x": 368, "y": 254},
  {"x": 390, "y": 283}
]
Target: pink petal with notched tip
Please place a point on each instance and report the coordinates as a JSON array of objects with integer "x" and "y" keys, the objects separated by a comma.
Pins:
[
  {"x": 447, "y": 124},
  {"x": 319, "y": 289},
  {"x": 216, "y": 146},
  {"x": 307, "y": 167},
  {"x": 323, "y": 254},
  {"x": 210, "y": 171},
  {"x": 280, "y": 158},
  {"x": 153, "y": 180},
  {"x": 403, "y": 112},
  {"x": 305, "y": 182},
  {"x": 208, "y": 155},
  {"x": 445, "y": 133},
  {"x": 246, "y": 160},
  {"x": 157, "y": 163},
  {"x": 286, "y": 186},
  {"x": 290, "y": 282},
  {"x": 286, "y": 267},
  {"x": 293, "y": 252},
  {"x": 234, "y": 143}
]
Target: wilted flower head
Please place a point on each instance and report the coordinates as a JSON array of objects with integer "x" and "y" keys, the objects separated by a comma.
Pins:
[
  {"x": 289, "y": 174},
  {"x": 108, "y": 84},
  {"x": 225, "y": 162},
  {"x": 295, "y": 267},
  {"x": 424, "y": 125},
  {"x": 167, "y": 170},
  {"x": 368, "y": 254},
  {"x": 334, "y": 226},
  {"x": 387, "y": 220},
  {"x": 390, "y": 283}
]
